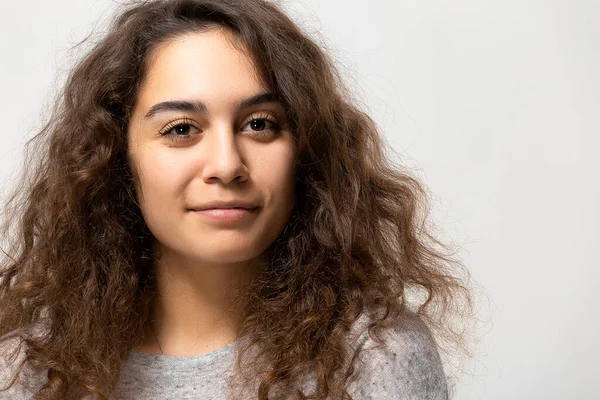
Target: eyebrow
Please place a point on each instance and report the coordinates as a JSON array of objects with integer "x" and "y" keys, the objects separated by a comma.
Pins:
[{"x": 200, "y": 107}]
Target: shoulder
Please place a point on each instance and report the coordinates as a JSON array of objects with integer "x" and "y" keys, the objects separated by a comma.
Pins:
[
  {"x": 12, "y": 354},
  {"x": 406, "y": 367}
]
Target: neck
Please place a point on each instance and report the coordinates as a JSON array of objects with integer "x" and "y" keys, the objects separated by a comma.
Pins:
[{"x": 198, "y": 307}]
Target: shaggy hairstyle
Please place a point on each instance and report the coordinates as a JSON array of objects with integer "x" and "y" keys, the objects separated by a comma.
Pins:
[{"x": 79, "y": 252}]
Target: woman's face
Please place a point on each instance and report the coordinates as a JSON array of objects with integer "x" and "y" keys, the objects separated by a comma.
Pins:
[{"x": 199, "y": 134}]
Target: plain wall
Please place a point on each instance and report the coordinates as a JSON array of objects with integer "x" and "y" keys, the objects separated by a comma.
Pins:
[{"x": 493, "y": 103}]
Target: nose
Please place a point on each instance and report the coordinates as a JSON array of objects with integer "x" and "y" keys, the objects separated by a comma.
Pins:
[{"x": 223, "y": 160}]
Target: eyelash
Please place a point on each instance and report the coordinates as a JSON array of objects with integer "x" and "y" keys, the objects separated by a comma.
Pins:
[{"x": 276, "y": 126}]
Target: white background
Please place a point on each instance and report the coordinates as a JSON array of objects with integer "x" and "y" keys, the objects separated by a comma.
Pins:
[{"x": 496, "y": 106}]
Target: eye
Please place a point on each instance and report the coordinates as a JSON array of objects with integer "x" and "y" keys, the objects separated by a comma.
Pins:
[
  {"x": 181, "y": 129},
  {"x": 262, "y": 125}
]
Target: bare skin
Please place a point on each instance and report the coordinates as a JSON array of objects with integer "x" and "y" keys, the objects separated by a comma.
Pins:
[{"x": 186, "y": 158}]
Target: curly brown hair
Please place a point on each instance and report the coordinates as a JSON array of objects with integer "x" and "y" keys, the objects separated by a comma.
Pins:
[{"x": 79, "y": 254}]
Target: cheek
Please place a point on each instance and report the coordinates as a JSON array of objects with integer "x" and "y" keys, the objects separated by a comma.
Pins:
[
  {"x": 160, "y": 178},
  {"x": 279, "y": 174}
]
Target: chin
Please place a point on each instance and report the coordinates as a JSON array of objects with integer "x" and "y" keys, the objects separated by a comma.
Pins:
[{"x": 226, "y": 255}]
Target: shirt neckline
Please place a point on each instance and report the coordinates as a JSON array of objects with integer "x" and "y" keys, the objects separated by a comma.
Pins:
[{"x": 160, "y": 361}]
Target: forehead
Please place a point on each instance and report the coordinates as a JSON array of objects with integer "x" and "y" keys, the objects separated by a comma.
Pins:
[{"x": 205, "y": 64}]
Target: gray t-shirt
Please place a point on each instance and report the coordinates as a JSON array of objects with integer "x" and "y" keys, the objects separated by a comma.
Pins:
[{"x": 408, "y": 367}]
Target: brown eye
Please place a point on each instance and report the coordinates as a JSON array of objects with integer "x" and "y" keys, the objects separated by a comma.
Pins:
[
  {"x": 182, "y": 129},
  {"x": 258, "y": 124},
  {"x": 179, "y": 130},
  {"x": 262, "y": 126}
]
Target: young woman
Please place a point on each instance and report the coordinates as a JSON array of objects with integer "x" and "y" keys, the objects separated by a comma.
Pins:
[{"x": 212, "y": 217}]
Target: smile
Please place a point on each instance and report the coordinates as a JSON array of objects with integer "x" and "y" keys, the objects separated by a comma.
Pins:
[{"x": 227, "y": 214}]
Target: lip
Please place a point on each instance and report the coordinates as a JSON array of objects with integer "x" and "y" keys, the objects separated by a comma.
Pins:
[
  {"x": 225, "y": 205},
  {"x": 232, "y": 214}
]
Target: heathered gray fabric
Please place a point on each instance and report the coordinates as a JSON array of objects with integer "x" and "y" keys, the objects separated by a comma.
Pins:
[{"x": 408, "y": 367}]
